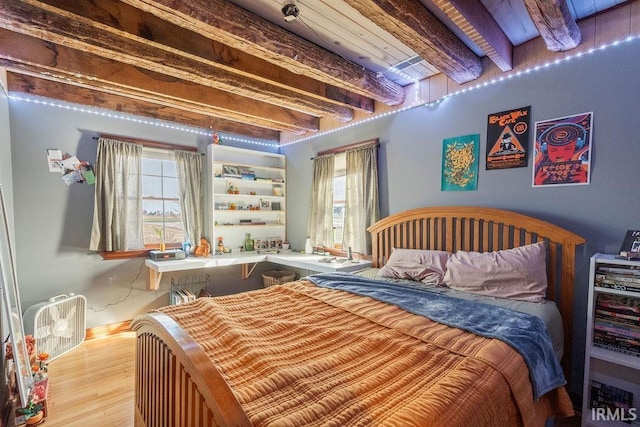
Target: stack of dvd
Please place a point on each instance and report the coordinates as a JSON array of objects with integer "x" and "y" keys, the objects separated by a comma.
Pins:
[
  {"x": 620, "y": 278},
  {"x": 617, "y": 323}
]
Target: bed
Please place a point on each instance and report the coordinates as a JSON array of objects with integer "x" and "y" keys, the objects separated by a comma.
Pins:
[{"x": 283, "y": 356}]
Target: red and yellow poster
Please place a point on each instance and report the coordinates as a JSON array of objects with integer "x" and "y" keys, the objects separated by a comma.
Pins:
[
  {"x": 562, "y": 151},
  {"x": 508, "y": 139}
]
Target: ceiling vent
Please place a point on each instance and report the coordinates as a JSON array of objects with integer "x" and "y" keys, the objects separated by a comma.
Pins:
[{"x": 408, "y": 62}]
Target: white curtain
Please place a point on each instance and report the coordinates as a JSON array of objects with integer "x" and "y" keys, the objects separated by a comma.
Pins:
[
  {"x": 361, "y": 198},
  {"x": 320, "y": 226},
  {"x": 117, "y": 213},
  {"x": 190, "y": 183}
]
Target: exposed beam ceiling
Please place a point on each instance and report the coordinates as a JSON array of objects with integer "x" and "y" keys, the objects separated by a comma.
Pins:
[{"x": 236, "y": 66}]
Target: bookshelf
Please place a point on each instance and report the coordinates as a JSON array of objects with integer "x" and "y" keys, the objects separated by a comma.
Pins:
[
  {"x": 246, "y": 196},
  {"x": 611, "y": 393}
]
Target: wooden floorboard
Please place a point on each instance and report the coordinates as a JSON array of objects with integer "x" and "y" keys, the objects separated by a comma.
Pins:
[{"x": 93, "y": 385}]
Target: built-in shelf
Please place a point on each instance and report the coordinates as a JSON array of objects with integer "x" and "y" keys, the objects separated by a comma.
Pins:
[{"x": 245, "y": 185}]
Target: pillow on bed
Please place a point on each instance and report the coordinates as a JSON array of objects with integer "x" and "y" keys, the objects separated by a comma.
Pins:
[
  {"x": 518, "y": 273},
  {"x": 416, "y": 264}
]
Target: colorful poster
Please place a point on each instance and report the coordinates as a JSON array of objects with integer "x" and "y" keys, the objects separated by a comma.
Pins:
[
  {"x": 562, "y": 151},
  {"x": 508, "y": 139},
  {"x": 460, "y": 163}
]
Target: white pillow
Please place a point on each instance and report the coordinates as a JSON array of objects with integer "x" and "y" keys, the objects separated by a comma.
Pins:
[
  {"x": 518, "y": 273},
  {"x": 416, "y": 264}
]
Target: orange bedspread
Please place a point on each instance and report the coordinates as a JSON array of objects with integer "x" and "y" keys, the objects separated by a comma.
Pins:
[{"x": 301, "y": 355}]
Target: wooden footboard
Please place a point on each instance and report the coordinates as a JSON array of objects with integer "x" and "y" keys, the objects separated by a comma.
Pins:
[{"x": 176, "y": 383}]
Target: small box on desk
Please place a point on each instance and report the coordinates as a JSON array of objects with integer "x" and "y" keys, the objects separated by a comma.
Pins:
[{"x": 167, "y": 255}]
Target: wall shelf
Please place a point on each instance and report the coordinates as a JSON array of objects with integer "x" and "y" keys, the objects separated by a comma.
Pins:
[{"x": 260, "y": 179}]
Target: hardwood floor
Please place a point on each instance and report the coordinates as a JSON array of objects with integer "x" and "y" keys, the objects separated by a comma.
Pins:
[{"x": 93, "y": 385}]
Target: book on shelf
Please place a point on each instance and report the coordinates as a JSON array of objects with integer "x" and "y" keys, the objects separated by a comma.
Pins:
[
  {"x": 612, "y": 320},
  {"x": 627, "y": 271},
  {"x": 613, "y": 314},
  {"x": 616, "y": 330},
  {"x": 631, "y": 244},
  {"x": 608, "y": 396},
  {"x": 619, "y": 287},
  {"x": 618, "y": 303},
  {"x": 617, "y": 349},
  {"x": 621, "y": 342},
  {"x": 618, "y": 278}
]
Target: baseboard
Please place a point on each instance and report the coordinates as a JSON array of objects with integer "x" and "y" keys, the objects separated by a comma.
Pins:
[{"x": 110, "y": 329}]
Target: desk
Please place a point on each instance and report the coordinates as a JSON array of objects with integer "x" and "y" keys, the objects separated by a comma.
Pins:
[{"x": 284, "y": 257}]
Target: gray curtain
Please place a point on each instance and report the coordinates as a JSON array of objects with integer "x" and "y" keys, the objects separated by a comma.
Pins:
[
  {"x": 320, "y": 226},
  {"x": 361, "y": 198},
  {"x": 190, "y": 183},
  {"x": 117, "y": 213}
]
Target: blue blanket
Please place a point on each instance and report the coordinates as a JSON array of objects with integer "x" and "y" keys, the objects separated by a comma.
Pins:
[{"x": 527, "y": 334}]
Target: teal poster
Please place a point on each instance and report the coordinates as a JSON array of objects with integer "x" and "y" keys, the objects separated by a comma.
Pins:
[{"x": 460, "y": 163}]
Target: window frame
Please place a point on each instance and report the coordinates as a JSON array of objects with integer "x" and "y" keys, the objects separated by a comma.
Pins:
[
  {"x": 160, "y": 154},
  {"x": 341, "y": 151},
  {"x": 141, "y": 253}
]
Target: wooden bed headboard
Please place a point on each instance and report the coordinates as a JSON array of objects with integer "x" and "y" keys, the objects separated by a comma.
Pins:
[{"x": 483, "y": 229}]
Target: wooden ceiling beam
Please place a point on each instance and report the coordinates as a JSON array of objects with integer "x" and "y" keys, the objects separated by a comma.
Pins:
[
  {"x": 477, "y": 23},
  {"x": 134, "y": 21},
  {"x": 27, "y": 54},
  {"x": 234, "y": 26},
  {"x": 58, "y": 26},
  {"x": 410, "y": 22},
  {"x": 31, "y": 85},
  {"x": 555, "y": 24}
]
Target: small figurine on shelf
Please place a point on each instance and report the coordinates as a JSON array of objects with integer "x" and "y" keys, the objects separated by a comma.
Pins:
[
  {"x": 232, "y": 189},
  {"x": 220, "y": 245}
]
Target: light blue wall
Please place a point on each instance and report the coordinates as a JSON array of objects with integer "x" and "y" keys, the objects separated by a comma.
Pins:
[
  {"x": 5, "y": 147},
  {"x": 607, "y": 83},
  {"x": 7, "y": 191}
]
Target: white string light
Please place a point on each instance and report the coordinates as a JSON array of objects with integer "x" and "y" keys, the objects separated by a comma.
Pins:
[
  {"x": 548, "y": 64},
  {"x": 471, "y": 88},
  {"x": 416, "y": 103},
  {"x": 135, "y": 119}
]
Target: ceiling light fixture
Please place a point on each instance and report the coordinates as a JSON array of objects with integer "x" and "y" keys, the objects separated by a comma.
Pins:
[{"x": 290, "y": 12}]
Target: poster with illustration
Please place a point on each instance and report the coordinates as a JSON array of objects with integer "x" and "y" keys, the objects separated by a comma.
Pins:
[
  {"x": 562, "y": 151},
  {"x": 460, "y": 163},
  {"x": 508, "y": 139}
]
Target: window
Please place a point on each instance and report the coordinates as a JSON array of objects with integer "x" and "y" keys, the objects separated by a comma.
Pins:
[
  {"x": 344, "y": 205},
  {"x": 339, "y": 183},
  {"x": 339, "y": 197},
  {"x": 161, "y": 211}
]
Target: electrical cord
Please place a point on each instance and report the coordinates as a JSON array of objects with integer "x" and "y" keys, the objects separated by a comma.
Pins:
[{"x": 123, "y": 299}]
